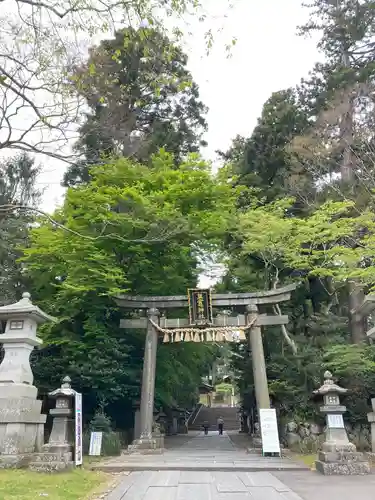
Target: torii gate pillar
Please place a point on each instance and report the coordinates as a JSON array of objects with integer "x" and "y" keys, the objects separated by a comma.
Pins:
[
  {"x": 146, "y": 440},
  {"x": 259, "y": 364}
]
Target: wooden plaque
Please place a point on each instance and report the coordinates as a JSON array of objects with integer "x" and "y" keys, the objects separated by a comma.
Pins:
[{"x": 200, "y": 306}]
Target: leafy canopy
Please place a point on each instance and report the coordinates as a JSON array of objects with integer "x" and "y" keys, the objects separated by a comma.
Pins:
[
  {"x": 141, "y": 98},
  {"x": 132, "y": 228},
  {"x": 334, "y": 241}
]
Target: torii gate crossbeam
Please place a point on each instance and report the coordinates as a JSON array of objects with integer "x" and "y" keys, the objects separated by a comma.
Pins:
[{"x": 249, "y": 319}]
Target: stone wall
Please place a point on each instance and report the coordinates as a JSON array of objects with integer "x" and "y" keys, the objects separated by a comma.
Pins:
[{"x": 307, "y": 437}]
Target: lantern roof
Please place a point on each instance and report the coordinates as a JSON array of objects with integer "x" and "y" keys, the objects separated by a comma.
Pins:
[
  {"x": 25, "y": 307},
  {"x": 329, "y": 386}
]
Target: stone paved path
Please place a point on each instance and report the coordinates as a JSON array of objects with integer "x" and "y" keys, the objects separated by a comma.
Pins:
[
  {"x": 314, "y": 486},
  {"x": 201, "y": 453},
  {"x": 201, "y": 485},
  {"x": 204, "y": 468}
]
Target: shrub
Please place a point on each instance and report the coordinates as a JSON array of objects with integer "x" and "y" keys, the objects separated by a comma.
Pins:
[{"x": 111, "y": 442}]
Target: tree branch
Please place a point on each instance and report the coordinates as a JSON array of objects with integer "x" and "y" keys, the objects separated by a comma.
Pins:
[{"x": 163, "y": 234}]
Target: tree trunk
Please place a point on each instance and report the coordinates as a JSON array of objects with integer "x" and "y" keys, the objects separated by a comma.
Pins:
[
  {"x": 346, "y": 133},
  {"x": 357, "y": 322}
]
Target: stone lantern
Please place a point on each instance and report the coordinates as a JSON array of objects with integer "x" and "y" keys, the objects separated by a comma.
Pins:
[
  {"x": 338, "y": 455},
  {"x": 21, "y": 423},
  {"x": 58, "y": 453},
  {"x": 62, "y": 429}
]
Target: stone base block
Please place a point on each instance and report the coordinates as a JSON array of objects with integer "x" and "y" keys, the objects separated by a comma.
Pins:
[
  {"x": 142, "y": 444},
  {"x": 21, "y": 426},
  {"x": 348, "y": 468},
  {"x": 257, "y": 442},
  {"x": 15, "y": 461},
  {"x": 10, "y": 391},
  {"x": 159, "y": 439},
  {"x": 53, "y": 457},
  {"x": 135, "y": 451},
  {"x": 65, "y": 451},
  {"x": 345, "y": 456},
  {"x": 51, "y": 466},
  {"x": 370, "y": 457},
  {"x": 339, "y": 447}
]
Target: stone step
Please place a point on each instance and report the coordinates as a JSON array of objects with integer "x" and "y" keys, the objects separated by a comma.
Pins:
[{"x": 271, "y": 465}]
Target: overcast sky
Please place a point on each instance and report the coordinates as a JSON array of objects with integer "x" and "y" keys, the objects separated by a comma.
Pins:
[{"x": 268, "y": 57}]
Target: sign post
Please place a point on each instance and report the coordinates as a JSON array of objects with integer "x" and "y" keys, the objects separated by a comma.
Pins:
[
  {"x": 78, "y": 429},
  {"x": 95, "y": 444},
  {"x": 269, "y": 431}
]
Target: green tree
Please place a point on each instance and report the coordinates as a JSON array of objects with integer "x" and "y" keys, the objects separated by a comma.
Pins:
[
  {"x": 17, "y": 187},
  {"x": 132, "y": 228},
  {"x": 338, "y": 93},
  {"x": 141, "y": 98},
  {"x": 263, "y": 161},
  {"x": 40, "y": 41}
]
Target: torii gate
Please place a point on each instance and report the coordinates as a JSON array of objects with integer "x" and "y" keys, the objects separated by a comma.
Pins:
[{"x": 201, "y": 326}]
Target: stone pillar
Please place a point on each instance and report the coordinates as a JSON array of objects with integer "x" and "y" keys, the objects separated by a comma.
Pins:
[
  {"x": 21, "y": 423},
  {"x": 338, "y": 455},
  {"x": 58, "y": 453},
  {"x": 258, "y": 361},
  {"x": 371, "y": 419},
  {"x": 146, "y": 441}
]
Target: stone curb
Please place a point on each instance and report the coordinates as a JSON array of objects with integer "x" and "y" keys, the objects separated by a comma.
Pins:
[{"x": 114, "y": 468}]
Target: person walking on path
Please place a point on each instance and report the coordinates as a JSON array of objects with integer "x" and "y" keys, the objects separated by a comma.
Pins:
[
  {"x": 205, "y": 427},
  {"x": 220, "y": 425}
]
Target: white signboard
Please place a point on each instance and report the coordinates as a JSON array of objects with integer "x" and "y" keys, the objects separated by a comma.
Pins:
[
  {"x": 95, "y": 443},
  {"x": 269, "y": 431},
  {"x": 335, "y": 421},
  {"x": 78, "y": 429}
]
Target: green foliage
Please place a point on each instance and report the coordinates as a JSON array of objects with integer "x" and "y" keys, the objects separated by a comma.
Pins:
[
  {"x": 17, "y": 187},
  {"x": 223, "y": 387},
  {"x": 332, "y": 242},
  {"x": 180, "y": 368},
  {"x": 263, "y": 161},
  {"x": 354, "y": 367},
  {"x": 100, "y": 423},
  {"x": 141, "y": 98},
  {"x": 111, "y": 442},
  {"x": 133, "y": 229}
]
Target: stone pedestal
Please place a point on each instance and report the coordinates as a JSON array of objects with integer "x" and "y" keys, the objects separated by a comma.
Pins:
[
  {"x": 256, "y": 437},
  {"x": 57, "y": 454},
  {"x": 159, "y": 439},
  {"x": 21, "y": 423},
  {"x": 338, "y": 455},
  {"x": 182, "y": 426}
]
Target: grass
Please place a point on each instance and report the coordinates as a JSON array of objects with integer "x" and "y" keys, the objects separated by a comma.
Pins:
[
  {"x": 26, "y": 485},
  {"x": 308, "y": 460}
]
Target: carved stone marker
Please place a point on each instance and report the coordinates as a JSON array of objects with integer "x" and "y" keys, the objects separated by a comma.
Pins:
[
  {"x": 58, "y": 453},
  {"x": 338, "y": 455},
  {"x": 21, "y": 423}
]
